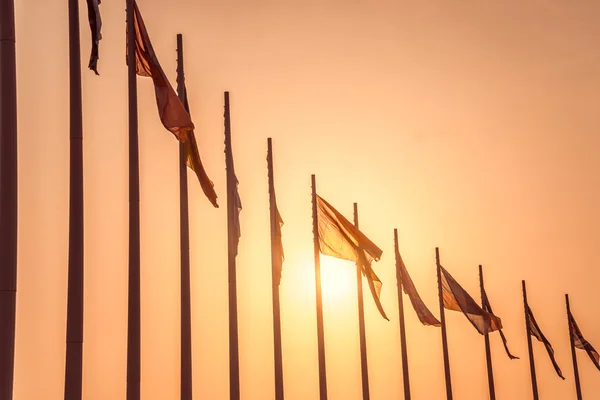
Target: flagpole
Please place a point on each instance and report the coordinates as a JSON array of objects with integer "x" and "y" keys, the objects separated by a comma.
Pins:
[
  {"x": 8, "y": 197},
  {"x": 573, "y": 354},
  {"x": 133, "y": 301},
  {"x": 275, "y": 278},
  {"x": 443, "y": 321},
  {"x": 364, "y": 366},
  {"x": 531, "y": 360},
  {"x": 184, "y": 248},
  {"x": 405, "y": 377},
  {"x": 75, "y": 297},
  {"x": 234, "y": 363},
  {"x": 488, "y": 353},
  {"x": 320, "y": 330}
]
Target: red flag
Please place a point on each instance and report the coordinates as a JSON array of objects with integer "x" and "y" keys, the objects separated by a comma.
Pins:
[
  {"x": 192, "y": 158},
  {"x": 172, "y": 113}
]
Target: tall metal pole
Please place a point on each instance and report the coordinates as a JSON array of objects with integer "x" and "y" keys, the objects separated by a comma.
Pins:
[
  {"x": 184, "y": 247},
  {"x": 443, "y": 321},
  {"x": 74, "y": 351},
  {"x": 405, "y": 377},
  {"x": 8, "y": 196},
  {"x": 234, "y": 362},
  {"x": 275, "y": 278},
  {"x": 573, "y": 354},
  {"x": 364, "y": 366},
  {"x": 488, "y": 353},
  {"x": 531, "y": 360},
  {"x": 320, "y": 330},
  {"x": 133, "y": 306}
]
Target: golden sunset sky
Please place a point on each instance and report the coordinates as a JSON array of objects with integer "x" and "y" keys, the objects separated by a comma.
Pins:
[{"x": 468, "y": 125}]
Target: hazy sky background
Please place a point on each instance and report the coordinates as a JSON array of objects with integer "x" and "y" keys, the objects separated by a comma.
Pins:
[{"x": 468, "y": 125}]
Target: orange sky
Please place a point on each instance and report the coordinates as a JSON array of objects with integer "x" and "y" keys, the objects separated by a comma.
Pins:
[{"x": 467, "y": 125}]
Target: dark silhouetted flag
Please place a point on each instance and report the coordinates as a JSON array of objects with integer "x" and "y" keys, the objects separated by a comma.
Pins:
[
  {"x": 425, "y": 316},
  {"x": 582, "y": 344},
  {"x": 339, "y": 238},
  {"x": 278, "y": 248},
  {"x": 534, "y": 330},
  {"x": 457, "y": 299},
  {"x": 232, "y": 184},
  {"x": 95, "y": 28},
  {"x": 487, "y": 307},
  {"x": 192, "y": 159},
  {"x": 172, "y": 113}
]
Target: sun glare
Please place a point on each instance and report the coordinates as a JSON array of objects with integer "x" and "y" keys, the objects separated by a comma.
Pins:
[{"x": 338, "y": 278}]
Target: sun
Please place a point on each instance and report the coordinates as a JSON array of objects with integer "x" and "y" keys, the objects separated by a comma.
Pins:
[{"x": 338, "y": 278}]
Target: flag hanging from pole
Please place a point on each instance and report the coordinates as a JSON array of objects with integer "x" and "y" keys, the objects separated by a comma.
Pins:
[
  {"x": 425, "y": 316},
  {"x": 279, "y": 255},
  {"x": 487, "y": 307},
  {"x": 172, "y": 113},
  {"x": 339, "y": 238},
  {"x": 192, "y": 159},
  {"x": 457, "y": 299},
  {"x": 534, "y": 330},
  {"x": 582, "y": 344},
  {"x": 95, "y": 27},
  {"x": 277, "y": 249},
  {"x": 232, "y": 182}
]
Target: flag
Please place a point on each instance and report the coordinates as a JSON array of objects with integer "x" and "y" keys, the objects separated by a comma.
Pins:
[
  {"x": 277, "y": 249},
  {"x": 582, "y": 344},
  {"x": 232, "y": 182},
  {"x": 192, "y": 159},
  {"x": 487, "y": 307},
  {"x": 534, "y": 330},
  {"x": 95, "y": 26},
  {"x": 339, "y": 238},
  {"x": 425, "y": 316},
  {"x": 457, "y": 299},
  {"x": 172, "y": 113}
]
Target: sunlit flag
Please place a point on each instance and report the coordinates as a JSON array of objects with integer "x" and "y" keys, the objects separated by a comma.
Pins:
[
  {"x": 534, "y": 330},
  {"x": 339, "y": 238},
  {"x": 582, "y": 344},
  {"x": 487, "y": 306},
  {"x": 457, "y": 299},
  {"x": 95, "y": 28},
  {"x": 172, "y": 113},
  {"x": 425, "y": 316}
]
